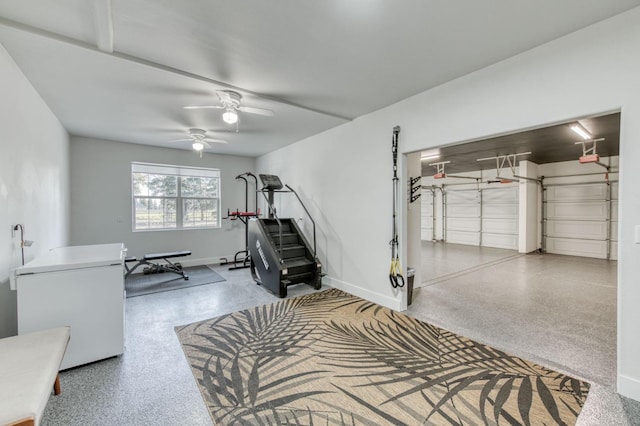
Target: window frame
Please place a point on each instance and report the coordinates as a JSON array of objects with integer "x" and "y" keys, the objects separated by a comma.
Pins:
[{"x": 180, "y": 172}]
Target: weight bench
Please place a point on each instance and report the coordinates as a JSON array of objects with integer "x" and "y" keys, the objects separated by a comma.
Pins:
[
  {"x": 148, "y": 259},
  {"x": 29, "y": 365}
]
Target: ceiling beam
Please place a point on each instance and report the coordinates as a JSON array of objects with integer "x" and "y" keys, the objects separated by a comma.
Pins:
[
  {"x": 130, "y": 58},
  {"x": 103, "y": 21}
]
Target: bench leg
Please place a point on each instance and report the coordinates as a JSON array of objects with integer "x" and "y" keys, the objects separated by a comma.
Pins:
[
  {"x": 56, "y": 385},
  {"x": 130, "y": 270},
  {"x": 171, "y": 267}
]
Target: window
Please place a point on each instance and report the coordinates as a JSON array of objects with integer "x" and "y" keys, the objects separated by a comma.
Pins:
[{"x": 172, "y": 197}]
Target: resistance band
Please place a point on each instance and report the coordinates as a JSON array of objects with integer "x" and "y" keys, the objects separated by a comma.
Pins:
[{"x": 395, "y": 271}]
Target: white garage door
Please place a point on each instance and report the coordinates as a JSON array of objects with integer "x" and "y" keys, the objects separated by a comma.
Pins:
[
  {"x": 486, "y": 217},
  {"x": 500, "y": 217},
  {"x": 426, "y": 215},
  {"x": 577, "y": 220},
  {"x": 462, "y": 224}
]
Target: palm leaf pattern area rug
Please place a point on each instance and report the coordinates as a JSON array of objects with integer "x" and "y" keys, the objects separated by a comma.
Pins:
[{"x": 330, "y": 358}]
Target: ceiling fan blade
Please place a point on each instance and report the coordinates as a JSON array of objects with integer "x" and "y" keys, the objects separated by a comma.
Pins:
[
  {"x": 203, "y": 107},
  {"x": 215, "y": 140},
  {"x": 259, "y": 111},
  {"x": 181, "y": 140}
]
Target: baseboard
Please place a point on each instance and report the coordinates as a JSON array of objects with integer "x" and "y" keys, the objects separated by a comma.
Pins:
[
  {"x": 187, "y": 262},
  {"x": 363, "y": 293},
  {"x": 629, "y": 387}
]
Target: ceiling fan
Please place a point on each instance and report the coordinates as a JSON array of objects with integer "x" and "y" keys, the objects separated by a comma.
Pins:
[
  {"x": 230, "y": 103},
  {"x": 199, "y": 140}
]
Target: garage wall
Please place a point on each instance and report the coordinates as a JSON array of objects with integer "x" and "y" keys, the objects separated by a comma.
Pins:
[
  {"x": 34, "y": 180},
  {"x": 101, "y": 200},
  {"x": 348, "y": 183}
]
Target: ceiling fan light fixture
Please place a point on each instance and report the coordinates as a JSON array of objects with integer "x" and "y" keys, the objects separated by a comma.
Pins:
[
  {"x": 198, "y": 146},
  {"x": 230, "y": 116},
  {"x": 584, "y": 133}
]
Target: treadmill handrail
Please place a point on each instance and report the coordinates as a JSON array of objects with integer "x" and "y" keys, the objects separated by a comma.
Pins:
[
  {"x": 313, "y": 222},
  {"x": 275, "y": 216}
]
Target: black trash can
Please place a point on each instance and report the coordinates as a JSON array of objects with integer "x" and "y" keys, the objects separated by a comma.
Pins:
[{"x": 411, "y": 272}]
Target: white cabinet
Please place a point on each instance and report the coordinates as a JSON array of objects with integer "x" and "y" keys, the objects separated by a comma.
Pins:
[{"x": 82, "y": 287}]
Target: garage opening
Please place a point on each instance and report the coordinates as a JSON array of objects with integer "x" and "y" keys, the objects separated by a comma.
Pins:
[
  {"x": 519, "y": 243},
  {"x": 547, "y": 190}
]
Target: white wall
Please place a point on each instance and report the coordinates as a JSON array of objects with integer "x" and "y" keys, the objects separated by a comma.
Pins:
[
  {"x": 345, "y": 173},
  {"x": 344, "y": 176},
  {"x": 529, "y": 214},
  {"x": 101, "y": 200},
  {"x": 414, "y": 215},
  {"x": 34, "y": 182}
]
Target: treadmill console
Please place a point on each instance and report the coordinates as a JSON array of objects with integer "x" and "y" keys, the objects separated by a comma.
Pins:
[{"x": 270, "y": 182}]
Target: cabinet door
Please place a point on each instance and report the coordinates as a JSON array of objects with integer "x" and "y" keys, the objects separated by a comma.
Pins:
[{"x": 90, "y": 301}]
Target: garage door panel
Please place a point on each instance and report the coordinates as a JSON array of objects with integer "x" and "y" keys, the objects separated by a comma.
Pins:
[
  {"x": 463, "y": 210},
  {"x": 614, "y": 230},
  {"x": 462, "y": 197},
  {"x": 462, "y": 224},
  {"x": 499, "y": 210},
  {"x": 505, "y": 241},
  {"x": 614, "y": 190},
  {"x": 461, "y": 237},
  {"x": 501, "y": 196},
  {"x": 573, "y": 229},
  {"x": 494, "y": 210},
  {"x": 594, "y": 210},
  {"x": 614, "y": 210},
  {"x": 585, "y": 192},
  {"x": 574, "y": 247},
  {"x": 500, "y": 217},
  {"x": 500, "y": 226}
]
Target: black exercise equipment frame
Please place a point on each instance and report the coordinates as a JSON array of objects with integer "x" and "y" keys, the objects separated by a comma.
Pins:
[
  {"x": 244, "y": 262},
  {"x": 268, "y": 265}
]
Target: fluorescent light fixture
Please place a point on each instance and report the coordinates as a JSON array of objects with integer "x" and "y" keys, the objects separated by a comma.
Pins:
[
  {"x": 584, "y": 133},
  {"x": 198, "y": 146},
  {"x": 432, "y": 154},
  {"x": 230, "y": 116}
]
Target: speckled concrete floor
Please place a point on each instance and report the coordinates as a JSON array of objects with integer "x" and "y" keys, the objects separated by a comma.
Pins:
[
  {"x": 441, "y": 261},
  {"x": 516, "y": 305},
  {"x": 151, "y": 383},
  {"x": 558, "y": 311}
]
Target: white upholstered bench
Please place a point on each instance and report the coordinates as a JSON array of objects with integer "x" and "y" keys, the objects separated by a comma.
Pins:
[{"x": 29, "y": 365}]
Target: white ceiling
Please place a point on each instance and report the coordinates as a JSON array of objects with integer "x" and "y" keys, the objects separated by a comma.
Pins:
[{"x": 316, "y": 64}]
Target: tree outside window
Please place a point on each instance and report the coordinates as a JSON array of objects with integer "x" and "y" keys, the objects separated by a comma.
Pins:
[{"x": 172, "y": 197}]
